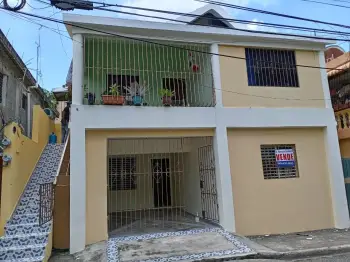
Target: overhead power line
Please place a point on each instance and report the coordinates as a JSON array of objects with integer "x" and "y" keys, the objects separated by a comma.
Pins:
[
  {"x": 329, "y": 4},
  {"x": 270, "y": 13},
  {"x": 157, "y": 43},
  {"x": 237, "y": 21}
]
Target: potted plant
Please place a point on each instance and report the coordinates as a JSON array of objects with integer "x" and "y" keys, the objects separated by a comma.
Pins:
[
  {"x": 112, "y": 97},
  {"x": 166, "y": 95},
  {"x": 136, "y": 92},
  {"x": 91, "y": 98}
]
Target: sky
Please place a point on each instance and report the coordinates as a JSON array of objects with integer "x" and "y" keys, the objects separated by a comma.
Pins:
[{"x": 56, "y": 49}]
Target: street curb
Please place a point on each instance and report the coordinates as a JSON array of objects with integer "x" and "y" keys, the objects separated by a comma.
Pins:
[{"x": 323, "y": 251}]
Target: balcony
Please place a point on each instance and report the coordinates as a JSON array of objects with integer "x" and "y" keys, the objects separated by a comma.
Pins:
[{"x": 134, "y": 73}]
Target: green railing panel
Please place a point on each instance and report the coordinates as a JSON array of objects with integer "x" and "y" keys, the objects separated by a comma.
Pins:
[{"x": 346, "y": 167}]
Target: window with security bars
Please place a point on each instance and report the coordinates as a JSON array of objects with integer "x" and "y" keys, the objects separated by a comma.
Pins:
[
  {"x": 268, "y": 67},
  {"x": 270, "y": 167},
  {"x": 121, "y": 173}
]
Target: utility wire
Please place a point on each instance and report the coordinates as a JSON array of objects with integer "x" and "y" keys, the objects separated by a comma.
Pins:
[
  {"x": 273, "y": 25},
  {"x": 270, "y": 13},
  {"x": 158, "y": 43},
  {"x": 234, "y": 29},
  {"x": 19, "y": 16},
  {"x": 187, "y": 49},
  {"x": 329, "y": 4}
]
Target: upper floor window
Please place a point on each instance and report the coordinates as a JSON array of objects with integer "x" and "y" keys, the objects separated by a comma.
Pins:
[
  {"x": 24, "y": 102},
  {"x": 267, "y": 67}
]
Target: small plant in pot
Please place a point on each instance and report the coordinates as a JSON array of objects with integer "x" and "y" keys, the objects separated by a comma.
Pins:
[
  {"x": 112, "y": 97},
  {"x": 136, "y": 92},
  {"x": 166, "y": 95},
  {"x": 91, "y": 98}
]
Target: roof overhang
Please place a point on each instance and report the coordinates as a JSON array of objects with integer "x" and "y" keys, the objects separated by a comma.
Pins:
[
  {"x": 178, "y": 32},
  {"x": 60, "y": 93}
]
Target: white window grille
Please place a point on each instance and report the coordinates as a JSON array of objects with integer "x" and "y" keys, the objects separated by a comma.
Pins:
[
  {"x": 275, "y": 68},
  {"x": 121, "y": 173},
  {"x": 270, "y": 167},
  {"x": 183, "y": 68}
]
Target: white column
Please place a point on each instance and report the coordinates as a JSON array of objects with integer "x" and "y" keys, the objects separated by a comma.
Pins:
[
  {"x": 223, "y": 179},
  {"x": 215, "y": 64},
  {"x": 324, "y": 77},
  {"x": 77, "y": 153},
  {"x": 77, "y": 183},
  {"x": 78, "y": 70},
  {"x": 338, "y": 192}
]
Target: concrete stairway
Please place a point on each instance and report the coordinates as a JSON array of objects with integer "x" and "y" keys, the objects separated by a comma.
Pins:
[{"x": 24, "y": 239}]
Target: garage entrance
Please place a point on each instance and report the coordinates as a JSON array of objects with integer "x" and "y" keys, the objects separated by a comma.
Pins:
[{"x": 161, "y": 184}]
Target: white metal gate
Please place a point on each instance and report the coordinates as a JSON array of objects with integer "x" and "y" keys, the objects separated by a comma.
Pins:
[{"x": 209, "y": 196}]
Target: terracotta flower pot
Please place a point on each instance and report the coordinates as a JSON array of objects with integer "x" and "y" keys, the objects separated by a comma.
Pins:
[
  {"x": 167, "y": 101},
  {"x": 113, "y": 100}
]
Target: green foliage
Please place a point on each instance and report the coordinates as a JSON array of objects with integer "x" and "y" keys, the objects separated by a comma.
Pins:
[
  {"x": 166, "y": 92},
  {"x": 112, "y": 90},
  {"x": 50, "y": 98}
]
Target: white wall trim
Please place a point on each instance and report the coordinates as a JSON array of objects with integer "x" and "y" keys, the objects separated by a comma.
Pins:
[
  {"x": 338, "y": 193},
  {"x": 77, "y": 186},
  {"x": 324, "y": 77},
  {"x": 215, "y": 65},
  {"x": 29, "y": 120},
  {"x": 223, "y": 180},
  {"x": 78, "y": 69}
]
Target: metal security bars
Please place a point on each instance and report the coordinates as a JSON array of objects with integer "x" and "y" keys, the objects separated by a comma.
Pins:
[
  {"x": 274, "y": 68},
  {"x": 46, "y": 193},
  {"x": 209, "y": 196},
  {"x": 154, "y": 184},
  {"x": 270, "y": 168},
  {"x": 143, "y": 71}
]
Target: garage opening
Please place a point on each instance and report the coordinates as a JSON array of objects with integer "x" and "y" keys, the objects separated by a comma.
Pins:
[{"x": 161, "y": 184}]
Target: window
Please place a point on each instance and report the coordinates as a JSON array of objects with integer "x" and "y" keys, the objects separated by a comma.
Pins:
[
  {"x": 271, "y": 68},
  {"x": 271, "y": 167},
  {"x": 121, "y": 173},
  {"x": 24, "y": 102}
]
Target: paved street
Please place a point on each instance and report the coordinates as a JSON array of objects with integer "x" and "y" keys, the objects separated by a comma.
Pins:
[{"x": 336, "y": 258}]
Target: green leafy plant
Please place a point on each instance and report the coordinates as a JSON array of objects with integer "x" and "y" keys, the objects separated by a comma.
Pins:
[
  {"x": 112, "y": 90},
  {"x": 164, "y": 92}
]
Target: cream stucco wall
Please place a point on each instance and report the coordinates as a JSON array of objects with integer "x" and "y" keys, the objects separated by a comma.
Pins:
[
  {"x": 280, "y": 205},
  {"x": 237, "y": 93},
  {"x": 96, "y": 172}
]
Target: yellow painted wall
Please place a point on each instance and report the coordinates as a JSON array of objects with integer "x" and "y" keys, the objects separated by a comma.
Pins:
[
  {"x": 25, "y": 153},
  {"x": 344, "y": 145},
  {"x": 280, "y": 205},
  {"x": 234, "y": 80},
  {"x": 96, "y": 173}
]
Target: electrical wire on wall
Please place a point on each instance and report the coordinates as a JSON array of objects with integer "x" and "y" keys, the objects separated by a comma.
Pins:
[{"x": 16, "y": 7}]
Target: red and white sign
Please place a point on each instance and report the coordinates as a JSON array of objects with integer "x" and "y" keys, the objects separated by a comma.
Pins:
[{"x": 285, "y": 158}]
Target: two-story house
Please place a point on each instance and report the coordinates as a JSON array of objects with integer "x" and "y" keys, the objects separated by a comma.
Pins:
[{"x": 171, "y": 122}]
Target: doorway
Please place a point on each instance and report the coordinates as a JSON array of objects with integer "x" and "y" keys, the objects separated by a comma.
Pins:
[{"x": 161, "y": 182}]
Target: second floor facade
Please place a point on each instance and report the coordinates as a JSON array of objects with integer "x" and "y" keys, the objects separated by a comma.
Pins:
[{"x": 154, "y": 64}]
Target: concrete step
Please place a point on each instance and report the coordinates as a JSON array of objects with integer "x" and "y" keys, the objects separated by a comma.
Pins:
[
  {"x": 22, "y": 252},
  {"x": 23, "y": 229},
  {"x": 23, "y": 219},
  {"x": 23, "y": 240}
]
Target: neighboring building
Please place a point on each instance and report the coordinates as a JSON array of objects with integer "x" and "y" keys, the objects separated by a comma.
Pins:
[
  {"x": 18, "y": 91},
  {"x": 339, "y": 85},
  {"x": 249, "y": 143}
]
